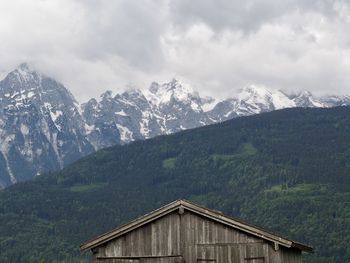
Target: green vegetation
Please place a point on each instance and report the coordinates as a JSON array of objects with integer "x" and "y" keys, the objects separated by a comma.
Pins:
[
  {"x": 298, "y": 189},
  {"x": 87, "y": 187},
  {"x": 287, "y": 171},
  {"x": 169, "y": 163},
  {"x": 247, "y": 150}
]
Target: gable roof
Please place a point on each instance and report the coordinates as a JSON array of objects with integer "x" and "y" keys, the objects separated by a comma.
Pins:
[{"x": 211, "y": 214}]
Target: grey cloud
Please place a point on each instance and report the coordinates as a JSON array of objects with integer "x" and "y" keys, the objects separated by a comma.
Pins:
[
  {"x": 246, "y": 15},
  {"x": 129, "y": 29},
  {"x": 216, "y": 45}
]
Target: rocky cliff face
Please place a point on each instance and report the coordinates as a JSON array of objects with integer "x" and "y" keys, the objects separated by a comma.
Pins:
[
  {"x": 134, "y": 115},
  {"x": 43, "y": 128}
]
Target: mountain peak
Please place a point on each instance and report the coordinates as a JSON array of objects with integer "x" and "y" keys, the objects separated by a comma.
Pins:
[
  {"x": 261, "y": 95},
  {"x": 178, "y": 89},
  {"x": 304, "y": 93},
  {"x": 24, "y": 73},
  {"x": 132, "y": 91},
  {"x": 24, "y": 67},
  {"x": 107, "y": 95},
  {"x": 255, "y": 88},
  {"x": 306, "y": 99},
  {"x": 174, "y": 83},
  {"x": 171, "y": 86},
  {"x": 253, "y": 91},
  {"x": 154, "y": 87},
  {"x": 164, "y": 93}
]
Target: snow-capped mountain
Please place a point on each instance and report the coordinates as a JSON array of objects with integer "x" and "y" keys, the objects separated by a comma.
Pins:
[
  {"x": 176, "y": 107},
  {"x": 43, "y": 128},
  {"x": 135, "y": 115},
  {"x": 251, "y": 100}
]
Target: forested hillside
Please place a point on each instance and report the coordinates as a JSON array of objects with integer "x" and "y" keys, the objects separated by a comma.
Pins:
[{"x": 287, "y": 171}]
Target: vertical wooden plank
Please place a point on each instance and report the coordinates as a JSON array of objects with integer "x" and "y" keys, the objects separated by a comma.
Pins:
[
  {"x": 210, "y": 232},
  {"x": 178, "y": 231},
  {"x": 170, "y": 237},
  {"x": 147, "y": 239},
  {"x": 235, "y": 254},
  {"x": 153, "y": 242},
  {"x": 185, "y": 236}
]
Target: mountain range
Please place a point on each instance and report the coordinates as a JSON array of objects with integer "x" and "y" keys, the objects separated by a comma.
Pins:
[
  {"x": 286, "y": 171},
  {"x": 43, "y": 128}
]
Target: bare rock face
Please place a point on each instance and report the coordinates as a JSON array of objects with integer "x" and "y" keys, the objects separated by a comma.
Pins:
[{"x": 43, "y": 128}]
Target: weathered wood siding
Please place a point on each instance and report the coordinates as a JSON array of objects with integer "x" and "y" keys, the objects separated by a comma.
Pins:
[
  {"x": 284, "y": 255},
  {"x": 141, "y": 260},
  {"x": 191, "y": 238},
  {"x": 159, "y": 238},
  {"x": 208, "y": 241},
  {"x": 290, "y": 255}
]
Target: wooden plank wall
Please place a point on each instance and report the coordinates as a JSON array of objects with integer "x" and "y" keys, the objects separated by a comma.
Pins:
[
  {"x": 198, "y": 232},
  {"x": 141, "y": 260},
  {"x": 227, "y": 244},
  {"x": 159, "y": 238},
  {"x": 290, "y": 255},
  {"x": 196, "y": 239}
]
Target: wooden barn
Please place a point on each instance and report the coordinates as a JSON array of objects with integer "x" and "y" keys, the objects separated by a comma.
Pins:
[{"x": 185, "y": 232}]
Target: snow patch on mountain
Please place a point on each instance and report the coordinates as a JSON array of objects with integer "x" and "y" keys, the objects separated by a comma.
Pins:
[
  {"x": 125, "y": 134},
  {"x": 260, "y": 97}
]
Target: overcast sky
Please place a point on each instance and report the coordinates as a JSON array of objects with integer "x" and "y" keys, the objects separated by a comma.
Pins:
[{"x": 218, "y": 46}]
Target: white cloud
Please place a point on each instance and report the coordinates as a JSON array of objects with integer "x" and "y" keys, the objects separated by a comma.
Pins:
[{"x": 218, "y": 46}]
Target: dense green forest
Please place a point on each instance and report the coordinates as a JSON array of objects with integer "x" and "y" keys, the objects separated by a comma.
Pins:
[{"x": 287, "y": 171}]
